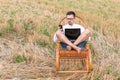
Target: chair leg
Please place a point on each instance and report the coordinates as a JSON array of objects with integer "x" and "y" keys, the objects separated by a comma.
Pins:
[
  {"x": 87, "y": 64},
  {"x": 57, "y": 62},
  {"x": 90, "y": 60}
]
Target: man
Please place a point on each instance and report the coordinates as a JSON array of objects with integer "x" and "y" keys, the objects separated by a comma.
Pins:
[{"x": 80, "y": 42}]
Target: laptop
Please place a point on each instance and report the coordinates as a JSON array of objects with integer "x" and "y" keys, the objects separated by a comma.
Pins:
[{"x": 72, "y": 33}]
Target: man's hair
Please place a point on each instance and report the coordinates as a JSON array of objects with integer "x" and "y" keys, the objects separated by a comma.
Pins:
[{"x": 70, "y": 13}]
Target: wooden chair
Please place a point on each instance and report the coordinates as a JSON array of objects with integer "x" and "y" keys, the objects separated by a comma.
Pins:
[{"x": 72, "y": 54}]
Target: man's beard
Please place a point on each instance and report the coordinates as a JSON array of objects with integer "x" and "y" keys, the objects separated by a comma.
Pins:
[{"x": 70, "y": 23}]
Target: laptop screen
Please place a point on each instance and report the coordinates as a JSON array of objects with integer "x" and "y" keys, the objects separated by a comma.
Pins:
[{"x": 73, "y": 33}]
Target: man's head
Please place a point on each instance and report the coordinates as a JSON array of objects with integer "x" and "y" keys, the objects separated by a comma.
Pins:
[{"x": 70, "y": 15}]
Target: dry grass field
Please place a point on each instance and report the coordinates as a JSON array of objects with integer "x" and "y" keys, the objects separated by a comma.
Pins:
[{"x": 27, "y": 50}]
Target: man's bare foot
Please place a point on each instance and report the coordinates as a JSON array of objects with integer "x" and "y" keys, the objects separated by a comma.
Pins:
[
  {"x": 69, "y": 47},
  {"x": 78, "y": 50}
]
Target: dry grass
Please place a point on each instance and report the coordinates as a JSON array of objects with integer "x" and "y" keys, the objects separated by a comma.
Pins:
[{"x": 27, "y": 28}]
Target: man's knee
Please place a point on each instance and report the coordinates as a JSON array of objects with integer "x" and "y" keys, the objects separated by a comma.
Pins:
[
  {"x": 58, "y": 32},
  {"x": 87, "y": 32}
]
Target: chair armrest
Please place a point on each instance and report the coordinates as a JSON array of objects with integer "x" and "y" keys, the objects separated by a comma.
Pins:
[
  {"x": 58, "y": 45},
  {"x": 87, "y": 45}
]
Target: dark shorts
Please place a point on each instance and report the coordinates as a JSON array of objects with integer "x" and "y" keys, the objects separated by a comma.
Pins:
[{"x": 81, "y": 45}]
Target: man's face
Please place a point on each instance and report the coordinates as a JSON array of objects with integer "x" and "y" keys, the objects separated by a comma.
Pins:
[{"x": 70, "y": 19}]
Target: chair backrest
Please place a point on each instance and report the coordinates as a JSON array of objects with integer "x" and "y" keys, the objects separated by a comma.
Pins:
[{"x": 80, "y": 20}]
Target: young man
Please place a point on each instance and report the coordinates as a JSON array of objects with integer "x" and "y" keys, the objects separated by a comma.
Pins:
[{"x": 80, "y": 42}]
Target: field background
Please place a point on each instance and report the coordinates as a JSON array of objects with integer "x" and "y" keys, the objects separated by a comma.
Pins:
[{"x": 27, "y": 50}]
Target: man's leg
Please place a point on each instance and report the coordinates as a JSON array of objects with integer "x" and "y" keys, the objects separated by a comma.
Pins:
[
  {"x": 63, "y": 38},
  {"x": 80, "y": 45},
  {"x": 85, "y": 35},
  {"x": 65, "y": 46}
]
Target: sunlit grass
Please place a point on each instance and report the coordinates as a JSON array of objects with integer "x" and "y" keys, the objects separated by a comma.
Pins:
[
  {"x": 41, "y": 42},
  {"x": 0, "y": 33},
  {"x": 26, "y": 26},
  {"x": 19, "y": 59}
]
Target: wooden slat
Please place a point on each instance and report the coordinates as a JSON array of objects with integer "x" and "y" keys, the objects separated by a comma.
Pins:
[
  {"x": 78, "y": 71},
  {"x": 73, "y": 54}
]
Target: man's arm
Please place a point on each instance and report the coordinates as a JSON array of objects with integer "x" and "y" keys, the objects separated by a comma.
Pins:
[{"x": 85, "y": 35}]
